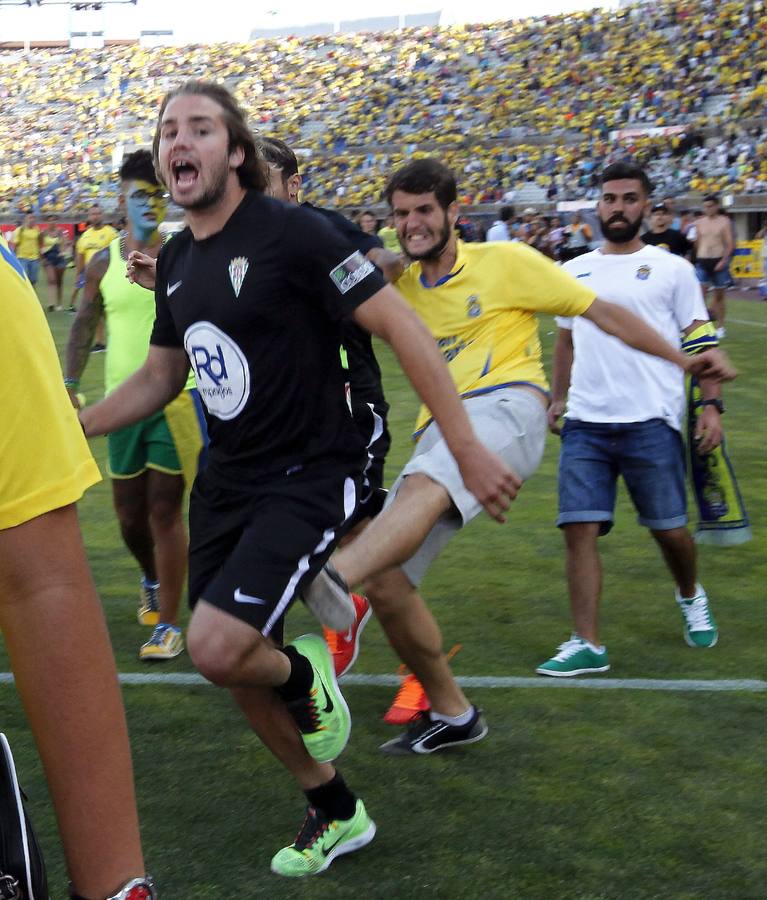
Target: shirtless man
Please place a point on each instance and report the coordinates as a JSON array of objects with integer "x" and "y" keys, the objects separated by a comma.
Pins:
[{"x": 714, "y": 247}]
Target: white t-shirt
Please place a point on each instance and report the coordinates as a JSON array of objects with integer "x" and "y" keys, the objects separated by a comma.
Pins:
[
  {"x": 611, "y": 382},
  {"x": 498, "y": 231}
]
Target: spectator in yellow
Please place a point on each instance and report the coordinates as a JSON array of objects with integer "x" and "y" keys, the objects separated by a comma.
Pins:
[
  {"x": 27, "y": 243},
  {"x": 96, "y": 237}
]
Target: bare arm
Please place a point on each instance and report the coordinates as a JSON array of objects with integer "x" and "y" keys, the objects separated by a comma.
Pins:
[
  {"x": 85, "y": 323},
  {"x": 729, "y": 246},
  {"x": 391, "y": 264},
  {"x": 157, "y": 382},
  {"x": 560, "y": 380},
  {"x": 387, "y": 315},
  {"x": 708, "y": 430},
  {"x": 634, "y": 332}
]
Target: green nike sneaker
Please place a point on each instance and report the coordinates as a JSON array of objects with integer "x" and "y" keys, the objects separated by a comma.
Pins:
[
  {"x": 700, "y": 629},
  {"x": 575, "y": 657},
  {"x": 323, "y": 717},
  {"x": 321, "y": 840}
]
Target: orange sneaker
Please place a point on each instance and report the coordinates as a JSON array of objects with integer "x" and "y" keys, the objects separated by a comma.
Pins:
[
  {"x": 408, "y": 702},
  {"x": 345, "y": 645},
  {"x": 411, "y": 698}
]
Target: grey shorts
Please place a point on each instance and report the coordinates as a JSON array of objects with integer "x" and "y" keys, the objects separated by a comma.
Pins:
[{"x": 512, "y": 423}]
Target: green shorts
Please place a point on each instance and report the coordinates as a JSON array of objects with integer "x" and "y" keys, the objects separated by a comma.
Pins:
[{"x": 146, "y": 445}]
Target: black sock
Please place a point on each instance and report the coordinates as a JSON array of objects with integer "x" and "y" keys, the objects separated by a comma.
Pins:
[
  {"x": 334, "y": 798},
  {"x": 300, "y": 680}
]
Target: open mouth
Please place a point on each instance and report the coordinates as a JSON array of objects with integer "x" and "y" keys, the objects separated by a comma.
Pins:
[{"x": 185, "y": 173}]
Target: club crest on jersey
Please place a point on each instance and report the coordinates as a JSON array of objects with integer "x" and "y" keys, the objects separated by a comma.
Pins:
[
  {"x": 238, "y": 268},
  {"x": 473, "y": 309},
  {"x": 643, "y": 273}
]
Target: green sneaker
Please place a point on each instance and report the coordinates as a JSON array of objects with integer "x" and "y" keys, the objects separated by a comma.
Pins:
[
  {"x": 575, "y": 657},
  {"x": 699, "y": 626},
  {"x": 323, "y": 717},
  {"x": 320, "y": 841}
]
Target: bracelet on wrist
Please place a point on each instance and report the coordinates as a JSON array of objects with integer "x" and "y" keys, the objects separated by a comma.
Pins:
[{"x": 73, "y": 383}]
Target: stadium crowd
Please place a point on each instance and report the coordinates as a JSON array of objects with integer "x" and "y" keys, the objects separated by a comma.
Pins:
[{"x": 546, "y": 100}]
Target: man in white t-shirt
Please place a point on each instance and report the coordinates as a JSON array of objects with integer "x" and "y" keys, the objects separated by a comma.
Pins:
[
  {"x": 624, "y": 415},
  {"x": 499, "y": 230}
]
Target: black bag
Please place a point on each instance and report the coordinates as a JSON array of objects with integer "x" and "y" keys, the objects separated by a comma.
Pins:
[{"x": 22, "y": 869}]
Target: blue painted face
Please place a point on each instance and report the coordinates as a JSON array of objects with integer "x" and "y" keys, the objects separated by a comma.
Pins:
[{"x": 145, "y": 206}]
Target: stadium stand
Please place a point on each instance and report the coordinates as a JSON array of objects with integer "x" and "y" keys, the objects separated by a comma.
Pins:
[{"x": 545, "y": 102}]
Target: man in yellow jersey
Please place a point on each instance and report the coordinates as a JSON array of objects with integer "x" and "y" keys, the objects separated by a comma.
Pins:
[
  {"x": 478, "y": 301},
  {"x": 149, "y": 461},
  {"x": 96, "y": 237},
  {"x": 27, "y": 244},
  {"x": 51, "y": 617}
]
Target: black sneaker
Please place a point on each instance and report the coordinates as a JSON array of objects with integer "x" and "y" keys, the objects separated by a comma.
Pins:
[
  {"x": 22, "y": 870},
  {"x": 425, "y": 735}
]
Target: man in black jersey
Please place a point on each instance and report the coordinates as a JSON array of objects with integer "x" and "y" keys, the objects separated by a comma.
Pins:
[
  {"x": 368, "y": 404},
  {"x": 252, "y": 293},
  {"x": 662, "y": 235}
]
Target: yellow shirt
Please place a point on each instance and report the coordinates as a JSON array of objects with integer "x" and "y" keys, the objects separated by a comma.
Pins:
[
  {"x": 44, "y": 459},
  {"x": 482, "y": 314},
  {"x": 94, "y": 239},
  {"x": 27, "y": 242}
]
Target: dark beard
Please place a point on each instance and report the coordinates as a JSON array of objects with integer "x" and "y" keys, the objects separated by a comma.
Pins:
[
  {"x": 435, "y": 252},
  {"x": 620, "y": 232}
]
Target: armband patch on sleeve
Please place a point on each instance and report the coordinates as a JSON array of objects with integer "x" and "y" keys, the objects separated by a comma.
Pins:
[{"x": 701, "y": 338}]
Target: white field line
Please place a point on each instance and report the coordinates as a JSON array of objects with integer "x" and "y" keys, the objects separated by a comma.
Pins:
[
  {"x": 746, "y": 322},
  {"x": 752, "y": 686}
]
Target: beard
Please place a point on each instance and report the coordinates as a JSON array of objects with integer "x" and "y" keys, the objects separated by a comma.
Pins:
[
  {"x": 435, "y": 251},
  {"x": 618, "y": 230},
  {"x": 211, "y": 194}
]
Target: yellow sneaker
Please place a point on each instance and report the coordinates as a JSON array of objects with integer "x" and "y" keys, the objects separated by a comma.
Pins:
[
  {"x": 149, "y": 603},
  {"x": 166, "y": 643}
]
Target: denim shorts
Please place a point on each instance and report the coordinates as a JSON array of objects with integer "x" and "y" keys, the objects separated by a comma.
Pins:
[
  {"x": 705, "y": 269},
  {"x": 32, "y": 268},
  {"x": 650, "y": 457}
]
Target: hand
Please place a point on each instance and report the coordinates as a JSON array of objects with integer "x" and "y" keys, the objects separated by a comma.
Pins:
[
  {"x": 74, "y": 399},
  {"x": 391, "y": 264},
  {"x": 721, "y": 264},
  {"x": 141, "y": 269},
  {"x": 712, "y": 364},
  {"x": 491, "y": 481},
  {"x": 708, "y": 430},
  {"x": 554, "y": 414}
]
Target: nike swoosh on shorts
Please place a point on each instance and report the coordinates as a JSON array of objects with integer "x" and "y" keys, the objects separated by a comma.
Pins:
[{"x": 247, "y": 598}]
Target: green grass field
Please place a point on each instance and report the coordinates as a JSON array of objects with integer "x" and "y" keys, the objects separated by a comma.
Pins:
[{"x": 587, "y": 794}]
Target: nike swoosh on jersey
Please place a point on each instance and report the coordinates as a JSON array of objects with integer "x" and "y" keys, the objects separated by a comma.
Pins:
[
  {"x": 247, "y": 598},
  {"x": 174, "y": 287}
]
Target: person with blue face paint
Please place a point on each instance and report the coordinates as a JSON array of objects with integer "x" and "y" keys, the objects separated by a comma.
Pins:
[{"x": 151, "y": 461}]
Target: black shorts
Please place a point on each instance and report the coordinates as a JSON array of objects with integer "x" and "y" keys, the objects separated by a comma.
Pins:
[
  {"x": 371, "y": 421},
  {"x": 251, "y": 551}
]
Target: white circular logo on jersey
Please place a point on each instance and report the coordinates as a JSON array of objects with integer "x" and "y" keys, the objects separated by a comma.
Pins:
[{"x": 220, "y": 368}]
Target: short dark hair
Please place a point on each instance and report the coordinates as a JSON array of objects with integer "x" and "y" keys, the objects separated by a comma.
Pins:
[
  {"x": 138, "y": 165},
  {"x": 368, "y": 212},
  {"x": 422, "y": 176},
  {"x": 277, "y": 153},
  {"x": 624, "y": 171},
  {"x": 506, "y": 213},
  {"x": 711, "y": 198},
  {"x": 252, "y": 172}
]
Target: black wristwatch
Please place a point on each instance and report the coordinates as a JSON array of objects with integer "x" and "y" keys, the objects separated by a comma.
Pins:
[{"x": 714, "y": 401}]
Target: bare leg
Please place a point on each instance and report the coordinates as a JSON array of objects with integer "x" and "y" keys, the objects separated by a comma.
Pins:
[
  {"x": 53, "y": 624},
  {"x": 718, "y": 306},
  {"x": 415, "y": 635},
  {"x": 584, "y": 578},
  {"x": 678, "y": 550},
  {"x": 394, "y": 535},
  {"x": 130, "y": 502},
  {"x": 231, "y": 654},
  {"x": 165, "y": 494}
]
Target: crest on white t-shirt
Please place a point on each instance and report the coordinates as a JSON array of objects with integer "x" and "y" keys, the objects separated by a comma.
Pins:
[{"x": 643, "y": 273}]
